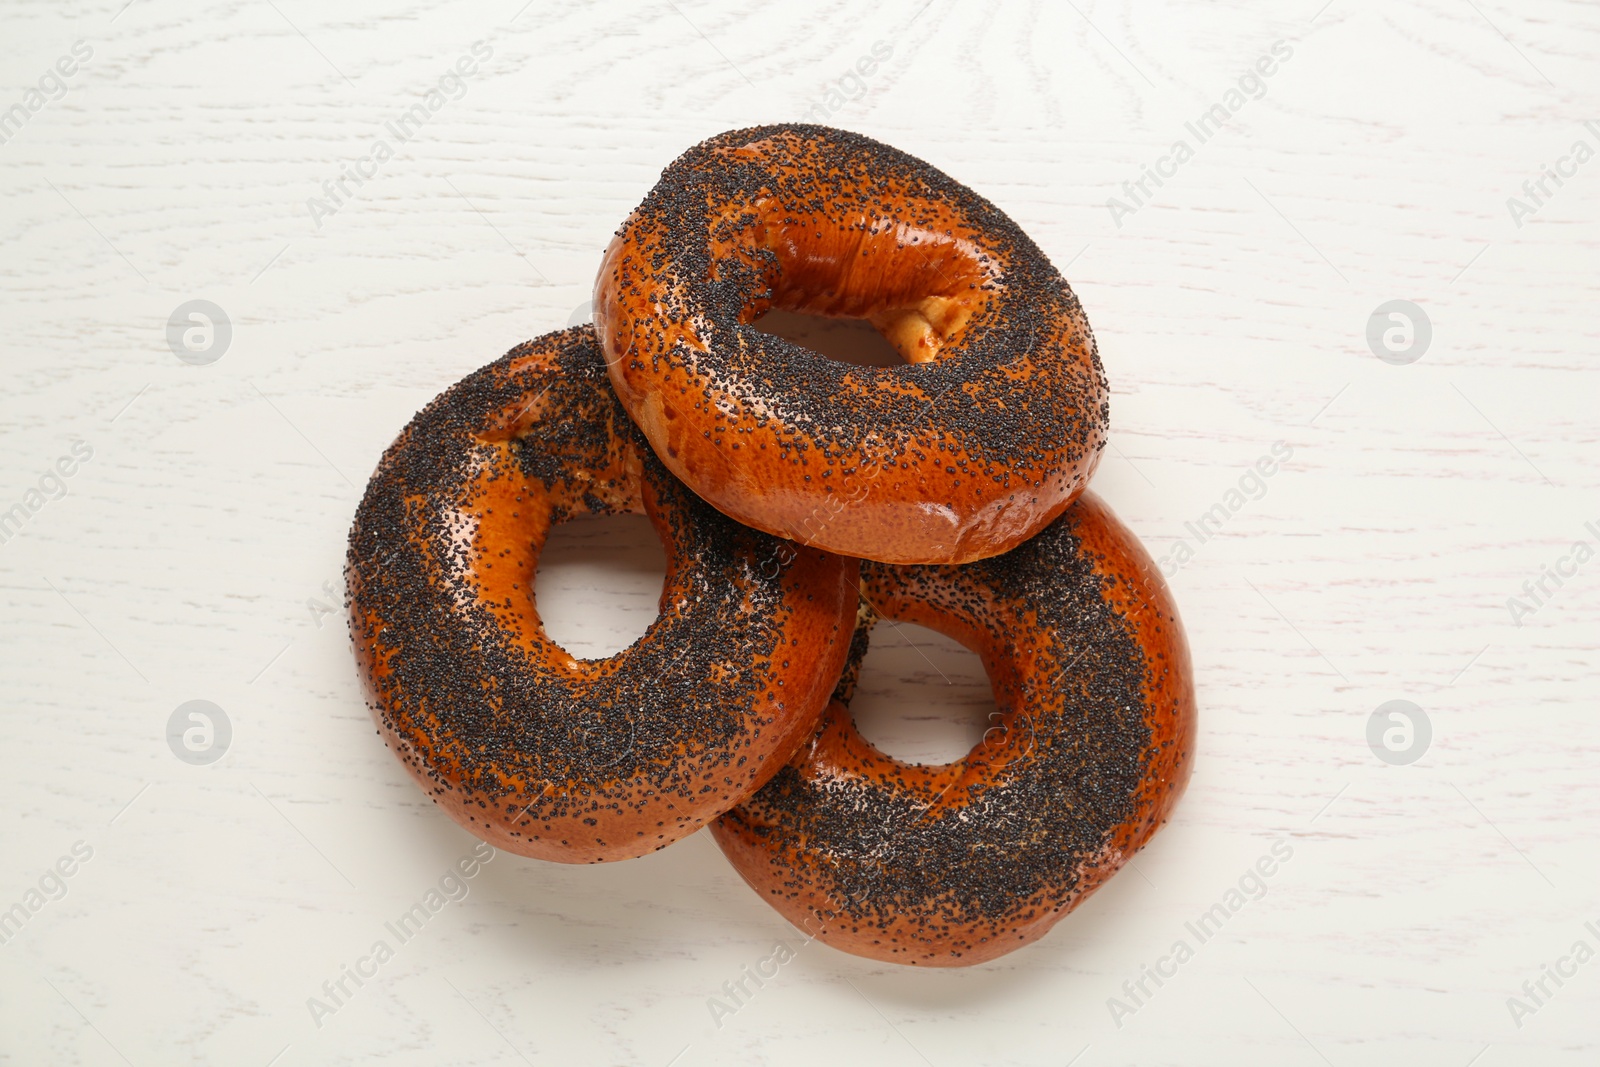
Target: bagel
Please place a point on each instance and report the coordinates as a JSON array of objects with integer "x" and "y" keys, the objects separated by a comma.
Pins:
[
  {"x": 957, "y": 864},
  {"x": 531, "y": 749},
  {"x": 989, "y": 430}
]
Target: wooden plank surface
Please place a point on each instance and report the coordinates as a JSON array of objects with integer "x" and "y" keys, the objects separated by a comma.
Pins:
[{"x": 194, "y": 553}]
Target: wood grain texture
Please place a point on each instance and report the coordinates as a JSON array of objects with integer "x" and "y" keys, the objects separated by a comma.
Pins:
[{"x": 190, "y": 555}]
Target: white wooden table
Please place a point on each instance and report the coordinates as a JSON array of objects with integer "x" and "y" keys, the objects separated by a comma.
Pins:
[{"x": 196, "y": 552}]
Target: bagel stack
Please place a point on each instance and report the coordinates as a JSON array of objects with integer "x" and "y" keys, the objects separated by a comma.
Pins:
[{"x": 802, "y": 500}]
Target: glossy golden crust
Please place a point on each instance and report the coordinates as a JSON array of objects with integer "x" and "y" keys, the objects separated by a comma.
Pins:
[
  {"x": 990, "y": 429},
  {"x": 529, "y": 748},
  {"x": 958, "y": 864}
]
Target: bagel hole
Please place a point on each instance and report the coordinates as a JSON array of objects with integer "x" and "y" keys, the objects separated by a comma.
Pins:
[
  {"x": 854, "y": 341},
  {"x": 921, "y": 697},
  {"x": 599, "y": 583}
]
